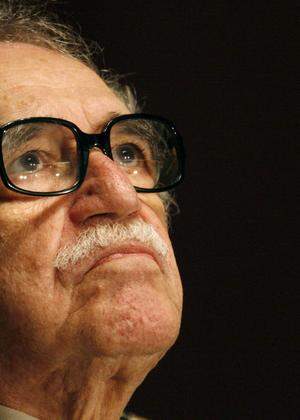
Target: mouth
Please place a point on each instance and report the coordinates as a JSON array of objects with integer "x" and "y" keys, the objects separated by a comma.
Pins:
[
  {"x": 125, "y": 251},
  {"x": 103, "y": 256}
]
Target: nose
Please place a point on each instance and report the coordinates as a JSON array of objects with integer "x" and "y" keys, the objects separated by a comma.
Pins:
[{"x": 106, "y": 192}]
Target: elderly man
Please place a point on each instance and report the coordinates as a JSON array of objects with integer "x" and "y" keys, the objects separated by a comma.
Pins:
[{"x": 90, "y": 294}]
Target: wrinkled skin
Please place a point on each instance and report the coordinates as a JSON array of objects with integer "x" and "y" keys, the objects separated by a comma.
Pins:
[{"x": 76, "y": 349}]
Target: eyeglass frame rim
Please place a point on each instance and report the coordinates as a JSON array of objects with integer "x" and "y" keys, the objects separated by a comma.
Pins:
[{"x": 84, "y": 145}]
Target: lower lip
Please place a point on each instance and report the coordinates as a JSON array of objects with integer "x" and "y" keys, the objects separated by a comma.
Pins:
[{"x": 122, "y": 255}]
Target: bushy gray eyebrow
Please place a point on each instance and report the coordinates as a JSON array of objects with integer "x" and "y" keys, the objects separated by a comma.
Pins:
[{"x": 14, "y": 137}]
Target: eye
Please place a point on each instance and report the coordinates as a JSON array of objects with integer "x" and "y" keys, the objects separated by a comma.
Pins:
[
  {"x": 127, "y": 154},
  {"x": 29, "y": 162}
]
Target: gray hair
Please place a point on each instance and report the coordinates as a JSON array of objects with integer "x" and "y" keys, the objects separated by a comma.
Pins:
[{"x": 32, "y": 22}]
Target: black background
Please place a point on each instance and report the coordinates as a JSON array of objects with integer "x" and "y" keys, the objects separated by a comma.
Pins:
[{"x": 226, "y": 73}]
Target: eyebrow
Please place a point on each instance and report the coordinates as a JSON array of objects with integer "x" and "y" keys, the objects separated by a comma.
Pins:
[{"x": 16, "y": 139}]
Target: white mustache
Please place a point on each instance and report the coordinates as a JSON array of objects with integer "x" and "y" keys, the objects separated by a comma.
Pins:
[{"x": 107, "y": 235}]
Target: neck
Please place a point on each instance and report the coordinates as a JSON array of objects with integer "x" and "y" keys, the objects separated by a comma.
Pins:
[{"x": 95, "y": 388}]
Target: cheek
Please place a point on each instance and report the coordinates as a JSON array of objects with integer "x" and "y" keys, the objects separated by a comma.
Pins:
[
  {"x": 31, "y": 237},
  {"x": 34, "y": 304},
  {"x": 155, "y": 204},
  {"x": 154, "y": 211}
]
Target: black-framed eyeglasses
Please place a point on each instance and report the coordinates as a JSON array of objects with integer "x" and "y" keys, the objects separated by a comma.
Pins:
[{"x": 45, "y": 156}]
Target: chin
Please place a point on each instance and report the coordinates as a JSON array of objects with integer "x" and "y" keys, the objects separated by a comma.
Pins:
[
  {"x": 133, "y": 336},
  {"x": 128, "y": 310},
  {"x": 140, "y": 323}
]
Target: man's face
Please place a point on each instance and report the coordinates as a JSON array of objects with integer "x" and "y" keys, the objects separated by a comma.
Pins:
[{"x": 129, "y": 303}]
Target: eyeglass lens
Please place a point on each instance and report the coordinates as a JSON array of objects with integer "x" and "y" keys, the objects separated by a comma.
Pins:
[
  {"x": 142, "y": 148},
  {"x": 40, "y": 157},
  {"x": 43, "y": 157}
]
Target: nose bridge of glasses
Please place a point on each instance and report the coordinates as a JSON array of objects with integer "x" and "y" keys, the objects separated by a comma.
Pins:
[{"x": 97, "y": 140}]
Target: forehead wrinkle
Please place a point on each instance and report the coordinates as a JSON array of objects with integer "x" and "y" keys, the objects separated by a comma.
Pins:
[
  {"x": 44, "y": 83},
  {"x": 26, "y": 103},
  {"x": 35, "y": 65}
]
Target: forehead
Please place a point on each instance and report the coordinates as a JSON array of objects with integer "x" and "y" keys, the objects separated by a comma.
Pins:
[{"x": 40, "y": 82}]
